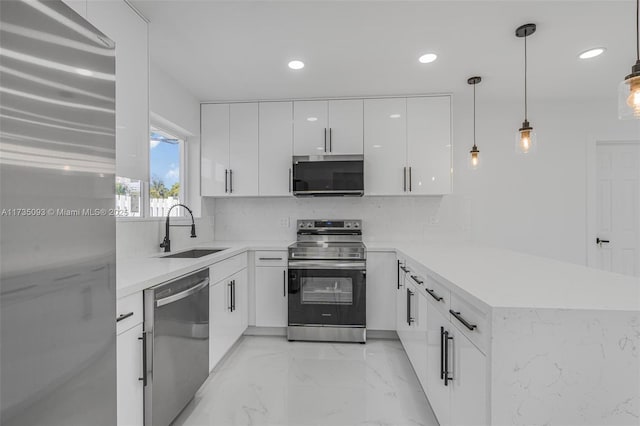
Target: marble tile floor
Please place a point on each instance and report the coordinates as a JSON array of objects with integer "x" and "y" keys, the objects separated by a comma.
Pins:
[{"x": 270, "y": 381}]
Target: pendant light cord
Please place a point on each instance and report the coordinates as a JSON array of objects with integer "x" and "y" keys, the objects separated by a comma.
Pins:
[
  {"x": 525, "y": 77},
  {"x": 474, "y": 115}
]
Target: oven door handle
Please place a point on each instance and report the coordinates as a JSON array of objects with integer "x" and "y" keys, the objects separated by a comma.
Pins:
[{"x": 310, "y": 264}]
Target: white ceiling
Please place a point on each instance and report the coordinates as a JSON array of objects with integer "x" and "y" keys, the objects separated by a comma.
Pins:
[{"x": 239, "y": 50}]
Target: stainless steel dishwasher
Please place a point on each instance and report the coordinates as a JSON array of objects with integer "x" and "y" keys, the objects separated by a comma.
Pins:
[{"x": 176, "y": 345}]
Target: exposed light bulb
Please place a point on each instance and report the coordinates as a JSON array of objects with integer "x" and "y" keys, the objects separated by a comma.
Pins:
[
  {"x": 633, "y": 100},
  {"x": 525, "y": 141},
  {"x": 474, "y": 159}
]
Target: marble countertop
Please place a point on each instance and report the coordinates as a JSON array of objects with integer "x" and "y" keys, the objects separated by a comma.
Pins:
[
  {"x": 498, "y": 278},
  {"x": 508, "y": 279},
  {"x": 136, "y": 274}
]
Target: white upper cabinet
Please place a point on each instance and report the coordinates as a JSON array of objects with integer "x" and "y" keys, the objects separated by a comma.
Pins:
[
  {"x": 310, "y": 127},
  {"x": 214, "y": 149},
  {"x": 345, "y": 127},
  {"x": 120, "y": 23},
  {"x": 243, "y": 149},
  {"x": 328, "y": 127},
  {"x": 429, "y": 145},
  {"x": 385, "y": 146},
  {"x": 229, "y": 149},
  {"x": 275, "y": 148},
  {"x": 407, "y": 146}
]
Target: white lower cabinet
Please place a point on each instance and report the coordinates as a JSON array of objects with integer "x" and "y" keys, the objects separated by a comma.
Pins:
[
  {"x": 381, "y": 288},
  {"x": 450, "y": 367},
  {"x": 271, "y": 296},
  {"x": 228, "y": 313},
  {"x": 129, "y": 371}
]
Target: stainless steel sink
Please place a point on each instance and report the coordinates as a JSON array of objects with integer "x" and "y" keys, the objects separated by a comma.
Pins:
[{"x": 195, "y": 253}]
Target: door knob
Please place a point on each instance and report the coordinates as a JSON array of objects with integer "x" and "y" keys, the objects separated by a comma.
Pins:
[{"x": 600, "y": 242}]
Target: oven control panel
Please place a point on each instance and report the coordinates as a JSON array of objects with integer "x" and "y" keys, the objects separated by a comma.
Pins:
[{"x": 314, "y": 224}]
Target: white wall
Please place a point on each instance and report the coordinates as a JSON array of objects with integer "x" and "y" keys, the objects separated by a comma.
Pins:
[{"x": 531, "y": 204}]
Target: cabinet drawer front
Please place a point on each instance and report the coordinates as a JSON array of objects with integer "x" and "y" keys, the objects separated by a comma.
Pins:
[
  {"x": 128, "y": 312},
  {"x": 475, "y": 316},
  {"x": 271, "y": 258},
  {"x": 227, "y": 267}
]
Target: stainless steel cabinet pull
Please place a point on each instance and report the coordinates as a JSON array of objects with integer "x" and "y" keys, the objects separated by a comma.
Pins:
[
  {"x": 410, "y": 319},
  {"x": 416, "y": 279},
  {"x": 143, "y": 339},
  {"x": 462, "y": 320},
  {"x": 226, "y": 180},
  {"x": 124, "y": 316},
  {"x": 434, "y": 295},
  {"x": 446, "y": 339}
]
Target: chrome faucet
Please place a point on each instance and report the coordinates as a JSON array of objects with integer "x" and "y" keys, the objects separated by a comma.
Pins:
[{"x": 166, "y": 243}]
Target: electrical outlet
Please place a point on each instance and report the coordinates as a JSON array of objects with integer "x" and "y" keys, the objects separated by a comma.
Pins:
[{"x": 284, "y": 222}]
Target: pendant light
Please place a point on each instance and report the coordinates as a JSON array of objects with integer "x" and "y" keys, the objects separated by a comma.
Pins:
[
  {"x": 474, "y": 160},
  {"x": 629, "y": 89},
  {"x": 525, "y": 138}
]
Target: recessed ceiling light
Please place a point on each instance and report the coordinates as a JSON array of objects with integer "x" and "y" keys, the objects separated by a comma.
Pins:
[
  {"x": 296, "y": 65},
  {"x": 429, "y": 57},
  {"x": 84, "y": 72},
  {"x": 394, "y": 116},
  {"x": 592, "y": 53},
  {"x": 312, "y": 118}
]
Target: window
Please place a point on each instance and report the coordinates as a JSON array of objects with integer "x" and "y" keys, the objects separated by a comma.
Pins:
[{"x": 165, "y": 169}]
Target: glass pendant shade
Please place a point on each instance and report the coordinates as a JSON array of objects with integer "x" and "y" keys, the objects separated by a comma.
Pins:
[
  {"x": 629, "y": 96},
  {"x": 474, "y": 158},
  {"x": 526, "y": 142}
]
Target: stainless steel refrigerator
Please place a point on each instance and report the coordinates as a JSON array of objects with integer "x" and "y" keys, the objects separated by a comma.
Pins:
[{"x": 57, "y": 236}]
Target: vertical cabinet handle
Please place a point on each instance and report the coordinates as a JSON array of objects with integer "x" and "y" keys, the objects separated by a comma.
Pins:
[
  {"x": 441, "y": 353},
  {"x": 404, "y": 179},
  {"x": 226, "y": 180},
  {"x": 284, "y": 283},
  {"x": 290, "y": 179},
  {"x": 330, "y": 139},
  {"x": 325, "y": 139},
  {"x": 446, "y": 339},
  {"x": 230, "y": 306},
  {"x": 409, "y": 179},
  {"x": 230, "y": 181},
  {"x": 143, "y": 339},
  {"x": 399, "y": 266},
  {"x": 410, "y": 319},
  {"x": 233, "y": 296}
]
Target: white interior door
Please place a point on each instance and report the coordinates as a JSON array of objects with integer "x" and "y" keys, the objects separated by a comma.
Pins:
[{"x": 617, "y": 208}]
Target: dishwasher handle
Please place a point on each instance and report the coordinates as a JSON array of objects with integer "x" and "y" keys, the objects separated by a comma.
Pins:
[{"x": 186, "y": 293}]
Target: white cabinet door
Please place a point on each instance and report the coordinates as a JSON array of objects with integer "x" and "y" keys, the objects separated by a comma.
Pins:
[
  {"x": 345, "y": 127},
  {"x": 382, "y": 282},
  {"x": 221, "y": 326},
  {"x": 310, "y": 128},
  {"x": 214, "y": 149},
  {"x": 275, "y": 148},
  {"x": 469, "y": 386},
  {"x": 415, "y": 342},
  {"x": 435, "y": 389},
  {"x": 429, "y": 145},
  {"x": 243, "y": 149},
  {"x": 120, "y": 23},
  {"x": 129, "y": 370},
  {"x": 385, "y": 146},
  {"x": 240, "y": 303},
  {"x": 271, "y": 296}
]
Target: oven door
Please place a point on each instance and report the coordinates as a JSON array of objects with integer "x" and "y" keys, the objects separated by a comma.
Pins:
[{"x": 328, "y": 293}]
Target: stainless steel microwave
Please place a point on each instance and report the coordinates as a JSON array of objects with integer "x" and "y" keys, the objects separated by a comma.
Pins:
[{"x": 327, "y": 176}]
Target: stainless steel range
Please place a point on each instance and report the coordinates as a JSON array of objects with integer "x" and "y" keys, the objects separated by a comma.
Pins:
[{"x": 327, "y": 282}]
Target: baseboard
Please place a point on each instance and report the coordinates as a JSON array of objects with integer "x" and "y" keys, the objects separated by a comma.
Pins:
[{"x": 282, "y": 331}]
